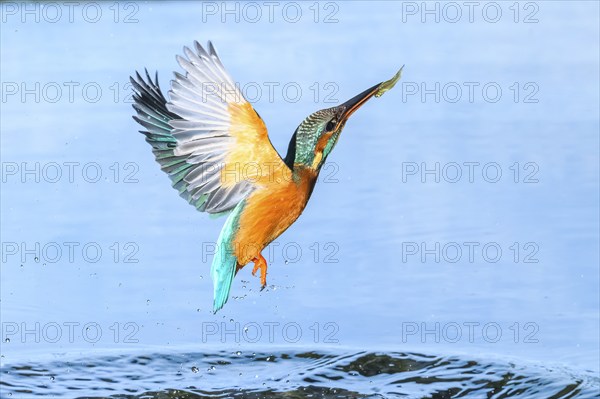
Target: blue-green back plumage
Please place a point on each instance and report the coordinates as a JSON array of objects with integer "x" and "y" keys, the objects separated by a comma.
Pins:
[{"x": 224, "y": 264}]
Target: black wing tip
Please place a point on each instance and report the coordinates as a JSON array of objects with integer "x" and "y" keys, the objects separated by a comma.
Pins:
[{"x": 139, "y": 79}]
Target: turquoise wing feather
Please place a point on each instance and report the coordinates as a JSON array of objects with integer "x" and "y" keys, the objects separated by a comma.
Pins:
[{"x": 224, "y": 264}]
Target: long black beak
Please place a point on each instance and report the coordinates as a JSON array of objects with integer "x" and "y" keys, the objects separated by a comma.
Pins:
[{"x": 357, "y": 101}]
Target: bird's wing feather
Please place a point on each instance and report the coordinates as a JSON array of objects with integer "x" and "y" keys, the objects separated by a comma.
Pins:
[{"x": 208, "y": 137}]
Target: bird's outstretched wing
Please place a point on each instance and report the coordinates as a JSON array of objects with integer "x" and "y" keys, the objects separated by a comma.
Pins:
[{"x": 208, "y": 138}]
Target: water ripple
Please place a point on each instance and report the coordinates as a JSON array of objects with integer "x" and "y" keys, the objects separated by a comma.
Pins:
[{"x": 291, "y": 375}]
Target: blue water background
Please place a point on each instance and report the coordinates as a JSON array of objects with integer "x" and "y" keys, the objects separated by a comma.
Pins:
[{"x": 364, "y": 212}]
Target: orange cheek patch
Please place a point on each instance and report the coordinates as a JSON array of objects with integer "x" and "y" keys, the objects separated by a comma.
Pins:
[{"x": 321, "y": 144}]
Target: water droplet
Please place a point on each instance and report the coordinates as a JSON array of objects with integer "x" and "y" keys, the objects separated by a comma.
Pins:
[
  {"x": 7, "y": 340},
  {"x": 240, "y": 374},
  {"x": 231, "y": 320},
  {"x": 245, "y": 329},
  {"x": 36, "y": 259},
  {"x": 201, "y": 277},
  {"x": 52, "y": 378},
  {"x": 238, "y": 353},
  {"x": 197, "y": 310},
  {"x": 195, "y": 369},
  {"x": 211, "y": 368},
  {"x": 270, "y": 358},
  {"x": 147, "y": 301},
  {"x": 286, "y": 262}
]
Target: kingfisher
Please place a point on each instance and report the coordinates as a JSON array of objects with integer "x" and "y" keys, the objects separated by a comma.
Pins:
[{"x": 215, "y": 148}]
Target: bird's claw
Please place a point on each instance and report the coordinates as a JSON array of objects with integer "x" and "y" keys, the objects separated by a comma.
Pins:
[
  {"x": 263, "y": 287},
  {"x": 260, "y": 263}
]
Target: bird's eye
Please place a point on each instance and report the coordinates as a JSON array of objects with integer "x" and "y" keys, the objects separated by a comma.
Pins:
[{"x": 330, "y": 125}]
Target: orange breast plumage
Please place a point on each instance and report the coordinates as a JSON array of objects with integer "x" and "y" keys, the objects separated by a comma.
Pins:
[{"x": 269, "y": 211}]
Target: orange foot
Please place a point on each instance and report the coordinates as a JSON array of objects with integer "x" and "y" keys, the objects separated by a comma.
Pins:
[{"x": 260, "y": 263}]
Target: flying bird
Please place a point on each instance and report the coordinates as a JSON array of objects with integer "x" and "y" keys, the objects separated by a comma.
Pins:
[{"x": 215, "y": 148}]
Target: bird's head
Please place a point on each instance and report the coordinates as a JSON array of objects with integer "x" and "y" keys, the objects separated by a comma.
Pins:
[{"x": 316, "y": 136}]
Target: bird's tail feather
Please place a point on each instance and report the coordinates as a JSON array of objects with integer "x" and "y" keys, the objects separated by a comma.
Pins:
[{"x": 224, "y": 264}]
